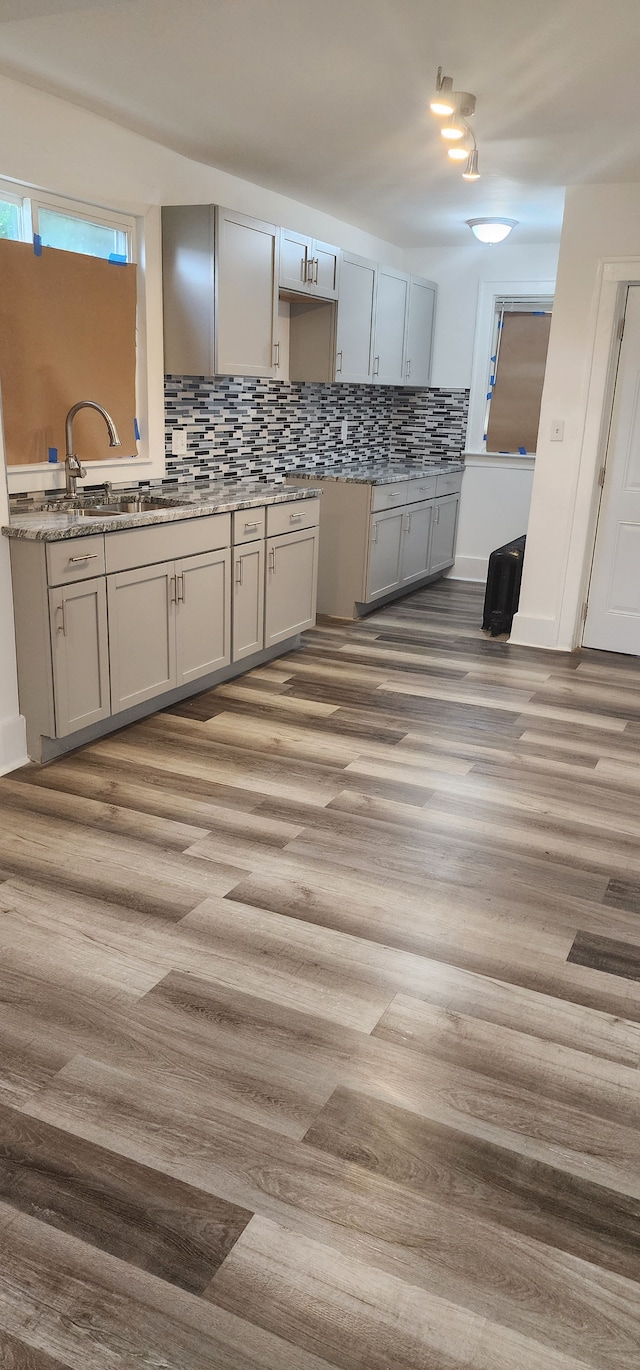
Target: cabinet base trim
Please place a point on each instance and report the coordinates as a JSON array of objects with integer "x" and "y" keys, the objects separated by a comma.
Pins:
[
  {"x": 44, "y": 749},
  {"x": 360, "y": 610}
]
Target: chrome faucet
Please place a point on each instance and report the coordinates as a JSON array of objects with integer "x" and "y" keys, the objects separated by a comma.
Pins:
[{"x": 72, "y": 466}]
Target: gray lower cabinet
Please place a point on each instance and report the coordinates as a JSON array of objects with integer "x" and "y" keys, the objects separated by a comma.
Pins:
[
  {"x": 248, "y": 599},
  {"x": 385, "y": 553},
  {"x": 290, "y": 599},
  {"x": 443, "y": 538},
  {"x": 168, "y": 625},
  {"x": 416, "y": 542},
  {"x": 80, "y": 655}
]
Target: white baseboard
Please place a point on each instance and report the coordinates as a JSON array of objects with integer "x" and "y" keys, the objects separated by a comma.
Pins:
[
  {"x": 469, "y": 568},
  {"x": 531, "y": 631},
  {"x": 13, "y": 744}
]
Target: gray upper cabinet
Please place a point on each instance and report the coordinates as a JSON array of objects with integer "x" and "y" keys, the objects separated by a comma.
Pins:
[
  {"x": 356, "y": 315},
  {"x": 420, "y": 323},
  {"x": 247, "y": 293},
  {"x": 308, "y": 266},
  {"x": 188, "y": 289},
  {"x": 392, "y": 305}
]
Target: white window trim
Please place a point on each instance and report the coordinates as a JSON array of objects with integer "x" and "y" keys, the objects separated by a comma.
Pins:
[
  {"x": 144, "y": 237},
  {"x": 489, "y": 292}
]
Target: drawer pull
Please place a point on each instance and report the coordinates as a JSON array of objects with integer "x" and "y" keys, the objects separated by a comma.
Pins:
[
  {"x": 249, "y": 526},
  {"x": 239, "y": 571},
  {"x": 272, "y": 559},
  {"x": 295, "y": 518},
  {"x": 62, "y": 626},
  {"x": 88, "y": 556}
]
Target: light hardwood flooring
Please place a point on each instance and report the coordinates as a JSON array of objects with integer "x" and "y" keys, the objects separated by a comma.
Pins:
[{"x": 320, "y": 1017}]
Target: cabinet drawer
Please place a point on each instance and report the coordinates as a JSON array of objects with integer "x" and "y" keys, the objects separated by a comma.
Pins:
[
  {"x": 450, "y": 484},
  {"x": 289, "y": 517},
  {"x": 389, "y": 496},
  {"x": 423, "y": 487},
  {"x": 248, "y": 525},
  {"x": 166, "y": 541},
  {"x": 75, "y": 559}
]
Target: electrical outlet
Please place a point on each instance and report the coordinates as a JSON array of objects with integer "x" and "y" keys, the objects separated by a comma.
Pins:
[
  {"x": 557, "y": 430},
  {"x": 179, "y": 442},
  {"x": 344, "y": 430}
]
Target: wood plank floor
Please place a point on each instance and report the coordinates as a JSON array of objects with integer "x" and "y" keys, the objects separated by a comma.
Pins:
[{"x": 320, "y": 1017}]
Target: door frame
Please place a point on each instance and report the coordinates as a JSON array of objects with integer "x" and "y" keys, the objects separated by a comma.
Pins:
[{"x": 615, "y": 275}]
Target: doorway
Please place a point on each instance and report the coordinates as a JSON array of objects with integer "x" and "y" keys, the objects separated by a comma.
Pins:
[{"x": 613, "y": 616}]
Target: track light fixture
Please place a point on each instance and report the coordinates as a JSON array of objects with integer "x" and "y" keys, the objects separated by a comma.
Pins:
[{"x": 456, "y": 107}]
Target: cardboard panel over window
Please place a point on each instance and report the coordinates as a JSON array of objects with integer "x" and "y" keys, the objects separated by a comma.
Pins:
[
  {"x": 514, "y": 413},
  {"x": 67, "y": 333}
]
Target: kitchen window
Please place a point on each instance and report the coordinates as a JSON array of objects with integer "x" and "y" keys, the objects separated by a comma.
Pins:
[
  {"x": 509, "y": 357},
  {"x": 66, "y": 224}
]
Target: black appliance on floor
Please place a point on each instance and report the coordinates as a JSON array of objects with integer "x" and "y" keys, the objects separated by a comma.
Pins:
[{"x": 503, "y": 586}]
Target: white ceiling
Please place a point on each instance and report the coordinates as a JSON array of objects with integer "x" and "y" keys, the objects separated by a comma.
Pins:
[{"x": 326, "y": 100}]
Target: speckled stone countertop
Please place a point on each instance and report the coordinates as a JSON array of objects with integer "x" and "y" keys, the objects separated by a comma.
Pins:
[
  {"x": 46, "y": 523},
  {"x": 385, "y": 471}
]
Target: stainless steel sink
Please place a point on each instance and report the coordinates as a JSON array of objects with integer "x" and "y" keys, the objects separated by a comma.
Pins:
[{"x": 135, "y": 504}]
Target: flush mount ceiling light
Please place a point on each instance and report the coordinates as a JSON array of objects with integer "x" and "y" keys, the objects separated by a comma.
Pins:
[{"x": 491, "y": 230}]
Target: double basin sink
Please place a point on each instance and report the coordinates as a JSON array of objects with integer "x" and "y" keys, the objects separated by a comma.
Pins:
[{"x": 128, "y": 504}]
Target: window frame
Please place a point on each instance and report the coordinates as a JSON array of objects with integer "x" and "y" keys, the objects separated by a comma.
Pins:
[
  {"x": 489, "y": 295},
  {"x": 144, "y": 236}
]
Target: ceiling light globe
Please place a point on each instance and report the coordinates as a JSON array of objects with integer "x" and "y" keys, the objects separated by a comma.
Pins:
[{"x": 491, "y": 230}]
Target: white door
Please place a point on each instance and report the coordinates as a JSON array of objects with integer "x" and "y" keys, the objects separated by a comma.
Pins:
[
  {"x": 416, "y": 542},
  {"x": 356, "y": 308},
  {"x": 391, "y": 317},
  {"x": 246, "y": 261},
  {"x": 203, "y": 629},
  {"x": 385, "y": 550},
  {"x": 78, "y": 615},
  {"x": 292, "y": 571},
  {"x": 613, "y": 616},
  {"x": 142, "y": 634},
  {"x": 248, "y": 599},
  {"x": 443, "y": 533},
  {"x": 422, "y": 303}
]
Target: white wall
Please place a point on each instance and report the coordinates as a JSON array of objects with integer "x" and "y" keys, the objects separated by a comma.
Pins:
[
  {"x": 496, "y": 491},
  {"x": 601, "y": 229},
  {"x": 13, "y": 746}
]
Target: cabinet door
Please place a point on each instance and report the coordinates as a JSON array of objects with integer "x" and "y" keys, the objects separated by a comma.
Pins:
[
  {"x": 385, "y": 548},
  {"x": 292, "y": 572},
  {"x": 296, "y": 272},
  {"x": 391, "y": 318},
  {"x": 326, "y": 269},
  {"x": 248, "y": 599},
  {"x": 443, "y": 536},
  {"x": 422, "y": 300},
  {"x": 356, "y": 308},
  {"x": 203, "y": 620},
  {"x": 416, "y": 542},
  {"x": 247, "y": 285},
  {"x": 142, "y": 636},
  {"x": 78, "y": 617}
]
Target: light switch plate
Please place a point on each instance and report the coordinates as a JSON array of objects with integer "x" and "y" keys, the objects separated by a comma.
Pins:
[
  {"x": 179, "y": 442},
  {"x": 557, "y": 430}
]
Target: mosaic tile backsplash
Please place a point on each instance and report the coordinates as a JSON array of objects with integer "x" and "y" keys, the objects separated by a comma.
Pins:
[{"x": 238, "y": 426}]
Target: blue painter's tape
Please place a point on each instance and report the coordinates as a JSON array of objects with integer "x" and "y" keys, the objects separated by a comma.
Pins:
[
  {"x": 484, "y": 437},
  {"x": 522, "y": 451},
  {"x": 37, "y": 245},
  {"x": 136, "y": 430},
  {"x": 490, "y": 394},
  {"x": 539, "y": 313},
  {"x": 52, "y": 454},
  {"x": 118, "y": 257},
  {"x": 501, "y": 324},
  {"x": 493, "y": 359},
  {"x": 492, "y": 380}
]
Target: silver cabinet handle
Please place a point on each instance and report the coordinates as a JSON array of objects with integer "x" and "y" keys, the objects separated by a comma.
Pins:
[
  {"x": 180, "y": 588},
  {"x": 437, "y": 513},
  {"x": 272, "y": 559},
  {"x": 305, "y": 263},
  {"x": 249, "y": 526},
  {"x": 62, "y": 626},
  {"x": 239, "y": 571},
  {"x": 172, "y": 590},
  {"x": 408, "y": 367},
  {"x": 376, "y": 366},
  {"x": 295, "y": 518},
  {"x": 375, "y": 532},
  {"x": 338, "y": 368},
  {"x": 316, "y": 264},
  {"x": 391, "y": 494},
  {"x": 88, "y": 556},
  {"x": 276, "y": 356}
]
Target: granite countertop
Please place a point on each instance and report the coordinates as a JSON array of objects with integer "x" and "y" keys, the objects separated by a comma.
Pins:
[
  {"x": 385, "y": 471},
  {"x": 48, "y": 524}
]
